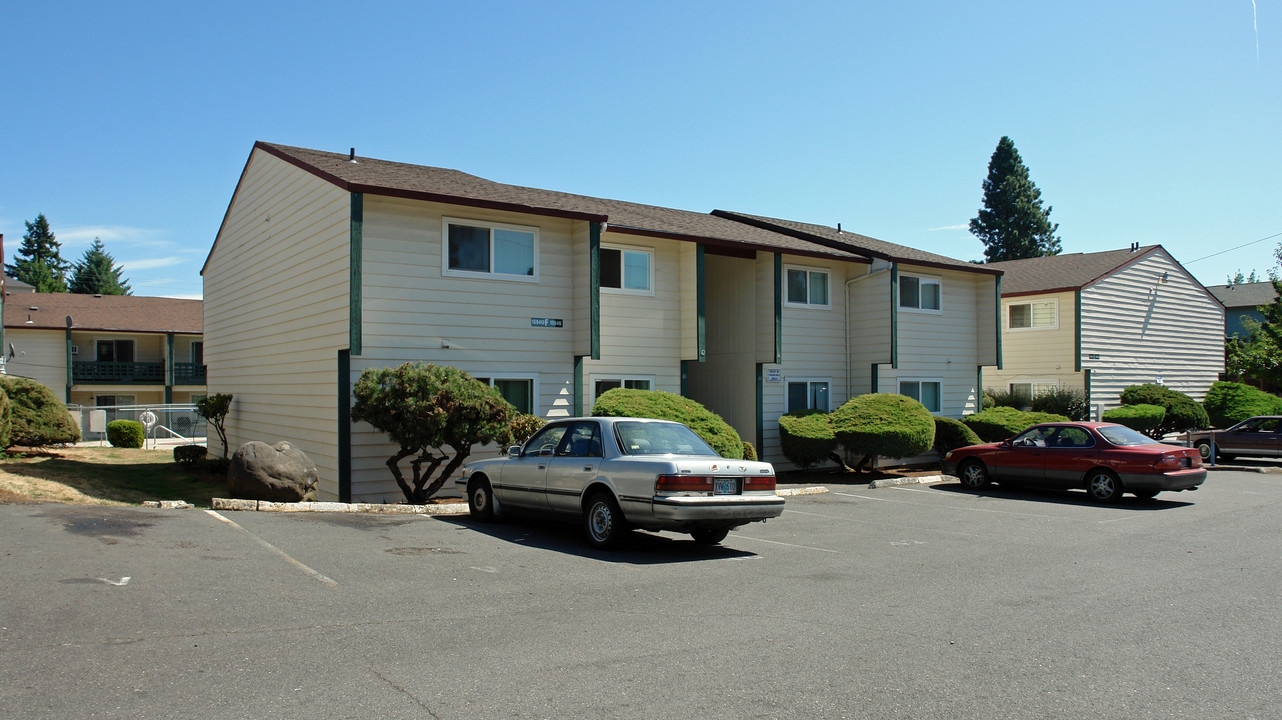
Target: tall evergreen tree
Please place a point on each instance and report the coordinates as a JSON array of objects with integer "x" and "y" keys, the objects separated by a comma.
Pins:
[
  {"x": 98, "y": 274},
  {"x": 39, "y": 260},
  {"x": 1012, "y": 223}
]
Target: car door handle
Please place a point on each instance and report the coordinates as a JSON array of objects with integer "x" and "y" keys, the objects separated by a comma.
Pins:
[
  {"x": 589, "y": 468},
  {"x": 543, "y": 466}
]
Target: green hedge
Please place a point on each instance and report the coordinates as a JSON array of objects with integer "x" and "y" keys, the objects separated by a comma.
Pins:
[
  {"x": 749, "y": 452},
  {"x": 189, "y": 454},
  {"x": 806, "y": 437},
  {"x": 1002, "y": 422},
  {"x": 951, "y": 434},
  {"x": 883, "y": 425},
  {"x": 126, "y": 433},
  {"x": 1182, "y": 411},
  {"x": 1229, "y": 403},
  {"x": 622, "y": 402},
  {"x": 1144, "y": 418},
  {"x": 6, "y": 421},
  {"x": 38, "y": 417}
]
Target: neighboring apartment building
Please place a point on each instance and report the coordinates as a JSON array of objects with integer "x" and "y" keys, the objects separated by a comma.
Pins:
[
  {"x": 1099, "y": 322},
  {"x": 98, "y": 350},
  {"x": 327, "y": 264},
  {"x": 1242, "y": 301}
]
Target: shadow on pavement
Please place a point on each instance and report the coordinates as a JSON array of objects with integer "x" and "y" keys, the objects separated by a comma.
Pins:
[{"x": 1164, "y": 501}]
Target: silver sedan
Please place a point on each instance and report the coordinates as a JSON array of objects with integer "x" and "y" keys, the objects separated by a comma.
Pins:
[{"x": 614, "y": 474}]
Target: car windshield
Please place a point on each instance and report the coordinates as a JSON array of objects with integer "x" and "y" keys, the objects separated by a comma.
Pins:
[
  {"x": 1124, "y": 436},
  {"x": 659, "y": 438}
]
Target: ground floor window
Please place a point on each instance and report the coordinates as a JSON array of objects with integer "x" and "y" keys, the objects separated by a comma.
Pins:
[
  {"x": 808, "y": 395},
  {"x": 518, "y": 391},
  {"x": 926, "y": 392},
  {"x": 1032, "y": 389},
  {"x": 601, "y": 385},
  {"x": 114, "y": 400}
]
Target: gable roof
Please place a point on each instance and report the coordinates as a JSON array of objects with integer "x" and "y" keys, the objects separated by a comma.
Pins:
[
  {"x": 1067, "y": 271},
  {"x": 115, "y": 313},
  {"x": 872, "y": 247},
  {"x": 421, "y": 182},
  {"x": 1244, "y": 295}
]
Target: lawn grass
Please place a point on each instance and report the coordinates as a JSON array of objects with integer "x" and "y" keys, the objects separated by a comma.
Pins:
[{"x": 104, "y": 476}]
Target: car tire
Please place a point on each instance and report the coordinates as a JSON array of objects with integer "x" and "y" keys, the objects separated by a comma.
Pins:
[
  {"x": 709, "y": 536},
  {"x": 1206, "y": 450},
  {"x": 1103, "y": 486},
  {"x": 480, "y": 500},
  {"x": 1145, "y": 494},
  {"x": 603, "y": 522},
  {"x": 974, "y": 476}
]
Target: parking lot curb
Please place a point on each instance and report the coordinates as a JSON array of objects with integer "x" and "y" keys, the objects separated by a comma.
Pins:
[
  {"x": 1244, "y": 468},
  {"x": 376, "y": 508},
  {"x": 812, "y": 490},
  {"x": 922, "y": 480}
]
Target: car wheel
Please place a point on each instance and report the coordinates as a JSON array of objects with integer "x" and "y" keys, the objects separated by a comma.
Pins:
[
  {"x": 1103, "y": 486},
  {"x": 1146, "y": 494},
  {"x": 1204, "y": 449},
  {"x": 709, "y": 536},
  {"x": 480, "y": 500},
  {"x": 974, "y": 476},
  {"x": 603, "y": 522}
]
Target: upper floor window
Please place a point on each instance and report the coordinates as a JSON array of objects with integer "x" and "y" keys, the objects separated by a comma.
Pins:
[
  {"x": 1040, "y": 315},
  {"x": 919, "y": 293},
  {"x": 475, "y": 247},
  {"x": 927, "y": 392},
  {"x": 627, "y": 269},
  {"x": 806, "y": 288},
  {"x": 115, "y": 350}
]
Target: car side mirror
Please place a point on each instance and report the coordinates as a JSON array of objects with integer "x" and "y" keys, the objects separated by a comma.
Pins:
[
  {"x": 514, "y": 451},
  {"x": 1007, "y": 443}
]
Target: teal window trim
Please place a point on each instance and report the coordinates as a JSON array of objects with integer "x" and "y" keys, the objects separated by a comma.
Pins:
[
  {"x": 69, "y": 367},
  {"x": 356, "y": 240},
  {"x": 1086, "y": 387},
  {"x": 999, "y": 323},
  {"x": 169, "y": 368},
  {"x": 979, "y": 388},
  {"x": 344, "y": 426},
  {"x": 894, "y": 316},
  {"x": 594, "y": 289},
  {"x": 761, "y": 409},
  {"x": 1077, "y": 331},
  {"x": 578, "y": 386},
  {"x": 778, "y": 310},
  {"x": 685, "y": 378},
  {"x": 702, "y": 307},
  {"x": 875, "y": 379}
]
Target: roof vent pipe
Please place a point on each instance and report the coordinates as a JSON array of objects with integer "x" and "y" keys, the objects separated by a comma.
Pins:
[
  {"x": 838, "y": 227},
  {"x": 352, "y": 155}
]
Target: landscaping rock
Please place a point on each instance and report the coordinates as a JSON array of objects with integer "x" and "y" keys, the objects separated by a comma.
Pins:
[{"x": 280, "y": 473}]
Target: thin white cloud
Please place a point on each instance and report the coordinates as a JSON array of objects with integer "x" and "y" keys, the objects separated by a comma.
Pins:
[
  {"x": 963, "y": 226},
  {"x": 107, "y": 233},
  {"x": 150, "y": 263}
]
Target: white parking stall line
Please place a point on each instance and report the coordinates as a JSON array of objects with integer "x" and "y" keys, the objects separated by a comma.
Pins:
[
  {"x": 776, "y": 542},
  {"x": 276, "y": 550}
]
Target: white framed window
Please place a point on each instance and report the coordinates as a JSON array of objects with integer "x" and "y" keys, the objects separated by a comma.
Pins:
[
  {"x": 920, "y": 293},
  {"x": 518, "y": 390},
  {"x": 805, "y": 287},
  {"x": 808, "y": 394},
  {"x": 1033, "y": 315},
  {"x": 604, "y": 383},
  {"x": 475, "y": 248},
  {"x": 1033, "y": 389},
  {"x": 627, "y": 269},
  {"x": 927, "y": 391}
]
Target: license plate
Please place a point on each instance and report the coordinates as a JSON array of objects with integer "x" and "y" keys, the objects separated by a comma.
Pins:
[{"x": 725, "y": 486}]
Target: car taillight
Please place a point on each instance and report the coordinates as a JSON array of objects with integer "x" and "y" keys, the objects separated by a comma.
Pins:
[
  {"x": 759, "y": 482},
  {"x": 683, "y": 483},
  {"x": 1169, "y": 462}
]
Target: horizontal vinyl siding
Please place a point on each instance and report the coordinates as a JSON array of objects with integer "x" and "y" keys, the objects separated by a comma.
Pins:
[
  {"x": 943, "y": 346},
  {"x": 1039, "y": 355},
  {"x": 276, "y": 311},
  {"x": 41, "y": 356},
  {"x": 1142, "y": 329},
  {"x": 725, "y": 382},
  {"x": 410, "y": 309},
  {"x": 870, "y": 328}
]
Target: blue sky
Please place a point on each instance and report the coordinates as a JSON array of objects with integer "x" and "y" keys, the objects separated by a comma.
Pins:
[{"x": 1140, "y": 121}]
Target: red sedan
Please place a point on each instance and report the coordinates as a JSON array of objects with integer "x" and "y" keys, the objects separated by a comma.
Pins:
[{"x": 1103, "y": 458}]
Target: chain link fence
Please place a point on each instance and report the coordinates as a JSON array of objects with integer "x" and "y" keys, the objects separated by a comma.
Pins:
[{"x": 173, "y": 422}]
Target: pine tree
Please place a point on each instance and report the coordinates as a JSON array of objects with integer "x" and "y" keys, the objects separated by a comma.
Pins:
[
  {"x": 1012, "y": 223},
  {"x": 39, "y": 261},
  {"x": 98, "y": 274}
]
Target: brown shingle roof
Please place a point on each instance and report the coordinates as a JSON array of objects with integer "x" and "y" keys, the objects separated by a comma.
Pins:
[
  {"x": 1243, "y": 294},
  {"x": 383, "y": 177},
  {"x": 1068, "y": 271},
  {"x": 118, "y": 313},
  {"x": 855, "y": 242}
]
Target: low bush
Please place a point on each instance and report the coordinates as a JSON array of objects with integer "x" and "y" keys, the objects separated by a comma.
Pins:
[
  {"x": 1063, "y": 401},
  {"x": 749, "y": 452},
  {"x": 951, "y": 434},
  {"x": 524, "y": 426},
  {"x": 38, "y": 417},
  {"x": 623, "y": 402},
  {"x": 806, "y": 438},
  {"x": 1229, "y": 403},
  {"x": 1182, "y": 411},
  {"x": 1002, "y": 422},
  {"x": 126, "y": 433},
  {"x": 189, "y": 454},
  {"x": 883, "y": 425},
  {"x": 1143, "y": 418},
  {"x": 1008, "y": 398}
]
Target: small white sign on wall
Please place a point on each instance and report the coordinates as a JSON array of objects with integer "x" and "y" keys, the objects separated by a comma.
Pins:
[{"x": 774, "y": 375}]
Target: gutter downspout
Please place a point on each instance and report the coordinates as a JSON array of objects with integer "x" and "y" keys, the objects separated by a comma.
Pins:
[{"x": 852, "y": 281}]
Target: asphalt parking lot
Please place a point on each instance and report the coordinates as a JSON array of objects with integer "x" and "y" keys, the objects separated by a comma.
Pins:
[{"x": 907, "y": 602}]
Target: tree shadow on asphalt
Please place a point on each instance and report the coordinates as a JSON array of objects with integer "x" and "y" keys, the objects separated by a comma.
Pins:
[
  {"x": 1163, "y": 501},
  {"x": 637, "y": 547}
]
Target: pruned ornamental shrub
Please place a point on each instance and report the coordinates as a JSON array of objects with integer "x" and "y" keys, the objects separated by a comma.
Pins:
[
  {"x": 1182, "y": 411},
  {"x": 624, "y": 402},
  {"x": 806, "y": 437},
  {"x": 883, "y": 425},
  {"x": 951, "y": 434},
  {"x": 1063, "y": 401},
  {"x": 189, "y": 454},
  {"x": 1229, "y": 403},
  {"x": 126, "y": 433},
  {"x": 1142, "y": 418},
  {"x": 214, "y": 409},
  {"x": 425, "y": 409},
  {"x": 749, "y": 452},
  {"x": 1002, "y": 422},
  {"x": 524, "y": 426},
  {"x": 38, "y": 417}
]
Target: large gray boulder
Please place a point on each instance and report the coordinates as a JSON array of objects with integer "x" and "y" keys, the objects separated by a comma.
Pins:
[{"x": 280, "y": 473}]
